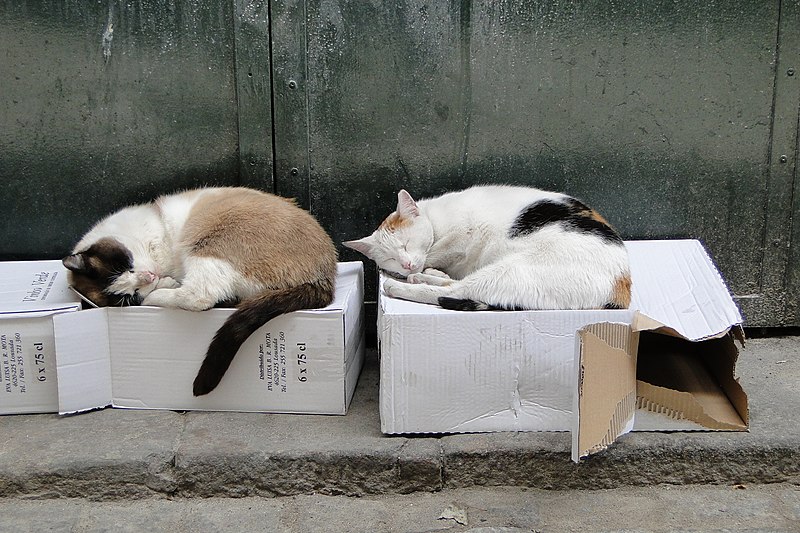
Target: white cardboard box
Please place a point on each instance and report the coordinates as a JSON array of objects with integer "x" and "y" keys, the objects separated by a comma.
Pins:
[
  {"x": 31, "y": 294},
  {"x": 55, "y": 357},
  {"x": 147, "y": 357},
  {"x": 452, "y": 371}
]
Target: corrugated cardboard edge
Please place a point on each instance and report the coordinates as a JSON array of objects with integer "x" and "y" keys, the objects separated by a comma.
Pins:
[
  {"x": 723, "y": 354},
  {"x": 606, "y": 394},
  {"x": 354, "y": 350},
  {"x": 387, "y": 397},
  {"x": 83, "y": 360},
  {"x": 681, "y": 406}
]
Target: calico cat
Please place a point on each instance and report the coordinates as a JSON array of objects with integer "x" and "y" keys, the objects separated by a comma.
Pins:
[
  {"x": 500, "y": 247},
  {"x": 200, "y": 248}
]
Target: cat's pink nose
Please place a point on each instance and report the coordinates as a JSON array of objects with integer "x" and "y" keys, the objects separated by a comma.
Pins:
[
  {"x": 408, "y": 265},
  {"x": 150, "y": 277}
]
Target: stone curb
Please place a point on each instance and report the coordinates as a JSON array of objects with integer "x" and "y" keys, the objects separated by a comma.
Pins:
[{"x": 127, "y": 454}]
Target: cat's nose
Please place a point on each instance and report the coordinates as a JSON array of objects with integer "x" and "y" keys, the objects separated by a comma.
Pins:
[{"x": 408, "y": 265}]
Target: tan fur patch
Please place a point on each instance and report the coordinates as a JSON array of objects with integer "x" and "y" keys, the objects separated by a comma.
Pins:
[
  {"x": 621, "y": 294},
  {"x": 238, "y": 225},
  {"x": 394, "y": 222}
]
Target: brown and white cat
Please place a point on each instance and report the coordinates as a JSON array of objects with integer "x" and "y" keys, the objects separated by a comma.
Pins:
[
  {"x": 500, "y": 247},
  {"x": 200, "y": 248}
]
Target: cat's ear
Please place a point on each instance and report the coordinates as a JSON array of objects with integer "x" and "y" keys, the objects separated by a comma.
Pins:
[
  {"x": 406, "y": 206},
  {"x": 364, "y": 245},
  {"x": 75, "y": 262}
]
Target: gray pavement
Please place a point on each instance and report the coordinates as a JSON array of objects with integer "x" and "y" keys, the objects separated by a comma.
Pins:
[
  {"x": 757, "y": 508},
  {"x": 116, "y": 455}
]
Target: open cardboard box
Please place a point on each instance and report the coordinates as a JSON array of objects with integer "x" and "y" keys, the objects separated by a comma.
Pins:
[
  {"x": 666, "y": 363},
  {"x": 31, "y": 294},
  {"x": 146, "y": 357}
]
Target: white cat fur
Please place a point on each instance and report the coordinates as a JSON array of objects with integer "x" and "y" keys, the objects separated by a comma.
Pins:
[{"x": 465, "y": 235}]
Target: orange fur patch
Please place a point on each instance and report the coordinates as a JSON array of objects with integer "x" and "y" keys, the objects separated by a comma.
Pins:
[
  {"x": 394, "y": 222},
  {"x": 621, "y": 294},
  {"x": 594, "y": 215},
  {"x": 598, "y": 217}
]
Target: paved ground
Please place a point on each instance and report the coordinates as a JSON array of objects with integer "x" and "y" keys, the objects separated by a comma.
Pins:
[
  {"x": 117, "y": 455},
  {"x": 758, "y": 508}
]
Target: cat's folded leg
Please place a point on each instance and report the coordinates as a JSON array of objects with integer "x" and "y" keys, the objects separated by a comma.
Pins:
[
  {"x": 163, "y": 283},
  {"x": 436, "y": 273},
  {"x": 167, "y": 282},
  {"x": 180, "y": 298},
  {"x": 430, "y": 279},
  {"x": 423, "y": 293},
  {"x": 207, "y": 282}
]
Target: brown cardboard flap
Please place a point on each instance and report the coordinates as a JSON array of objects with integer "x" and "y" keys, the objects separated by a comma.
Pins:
[
  {"x": 721, "y": 355},
  {"x": 709, "y": 409},
  {"x": 606, "y": 399},
  {"x": 691, "y": 381}
]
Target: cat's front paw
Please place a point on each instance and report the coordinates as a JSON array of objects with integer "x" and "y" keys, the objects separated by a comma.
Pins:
[
  {"x": 167, "y": 283},
  {"x": 160, "y": 298},
  {"x": 435, "y": 273},
  {"x": 393, "y": 287},
  {"x": 430, "y": 277}
]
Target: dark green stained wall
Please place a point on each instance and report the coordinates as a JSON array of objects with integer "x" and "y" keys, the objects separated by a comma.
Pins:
[
  {"x": 105, "y": 104},
  {"x": 659, "y": 114},
  {"x": 673, "y": 118}
]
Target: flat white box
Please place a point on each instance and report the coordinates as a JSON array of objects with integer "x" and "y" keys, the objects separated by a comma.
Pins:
[
  {"x": 453, "y": 371},
  {"x": 147, "y": 357},
  {"x": 31, "y": 294}
]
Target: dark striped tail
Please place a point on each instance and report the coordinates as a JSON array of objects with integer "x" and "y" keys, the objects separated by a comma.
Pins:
[{"x": 248, "y": 317}]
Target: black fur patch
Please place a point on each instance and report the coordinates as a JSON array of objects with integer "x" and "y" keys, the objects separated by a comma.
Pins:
[
  {"x": 591, "y": 225},
  {"x": 465, "y": 304},
  {"x": 571, "y": 214},
  {"x": 107, "y": 258},
  {"x": 612, "y": 306},
  {"x": 536, "y": 216},
  {"x": 97, "y": 267},
  {"x": 461, "y": 304}
]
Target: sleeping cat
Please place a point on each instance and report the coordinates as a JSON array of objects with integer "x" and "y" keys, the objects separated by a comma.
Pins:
[
  {"x": 197, "y": 249},
  {"x": 500, "y": 247}
]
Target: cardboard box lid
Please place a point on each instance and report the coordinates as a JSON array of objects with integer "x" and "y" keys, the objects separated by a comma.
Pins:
[
  {"x": 677, "y": 287},
  {"x": 84, "y": 339},
  {"x": 677, "y": 291},
  {"x": 34, "y": 288}
]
